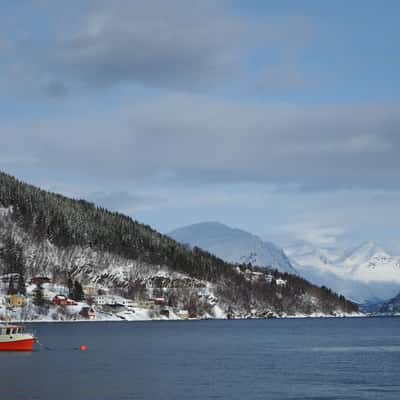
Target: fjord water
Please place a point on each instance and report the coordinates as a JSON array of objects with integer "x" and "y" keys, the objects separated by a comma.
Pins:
[{"x": 265, "y": 359}]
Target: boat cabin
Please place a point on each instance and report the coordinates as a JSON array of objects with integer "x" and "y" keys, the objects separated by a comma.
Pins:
[{"x": 11, "y": 330}]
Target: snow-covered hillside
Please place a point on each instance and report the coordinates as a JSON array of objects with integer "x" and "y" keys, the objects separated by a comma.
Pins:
[
  {"x": 84, "y": 263},
  {"x": 73, "y": 243},
  {"x": 366, "y": 273},
  {"x": 233, "y": 245},
  {"x": 109, "y": 271}
]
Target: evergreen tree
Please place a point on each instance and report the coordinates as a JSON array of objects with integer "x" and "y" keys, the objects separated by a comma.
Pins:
[
  {"x": 70, "y": 285},
  {"x": 13, "y": 258},
  {"x": 20, "y": 269},
  {"x": 40, "y": 226},
  {"x": 21, "y": 287},
  {"x": 8, "y": 254},
  {"x": 38, "y": 298},
  {"x": 77, "y": 293},
  {"x": 11, "y": 288}
]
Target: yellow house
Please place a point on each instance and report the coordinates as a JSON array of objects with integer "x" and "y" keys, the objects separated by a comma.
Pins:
[
  {"x": 90, "y": 291},
  {"x": 16, "y": 300}
]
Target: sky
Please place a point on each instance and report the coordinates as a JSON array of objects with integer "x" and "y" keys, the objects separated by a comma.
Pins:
[{"x": 277, "y": 117}]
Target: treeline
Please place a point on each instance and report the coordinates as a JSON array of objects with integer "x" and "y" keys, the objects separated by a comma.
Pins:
[{"x": 67, "y": 222}]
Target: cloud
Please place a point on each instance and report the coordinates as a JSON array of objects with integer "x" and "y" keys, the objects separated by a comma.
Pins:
[
  {"x": 17, "y": 159},
  {"x": 197, "y": 138},
  {"x": 55, "y": 89},
  {"x": 323, "y": 236},
  {"x": 393, "y": 247},
  {"x": 167, "y": 44},
  {"x": 121, "y": 201},
  {"x": 172, "y": 44},
  {"x": 281, "y": 77}
]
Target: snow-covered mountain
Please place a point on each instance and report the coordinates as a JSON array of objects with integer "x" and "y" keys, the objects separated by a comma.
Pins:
[
  {"x": 361, "y": 254},
  {"x": 366, "y": 273},
  {"x": 371, "y": 263},
  {"x": 233, "y": 245}
]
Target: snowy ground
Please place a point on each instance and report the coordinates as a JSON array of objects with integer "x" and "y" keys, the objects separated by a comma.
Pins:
[
  {"x": 131, "y": 311},
  {"x": 142, "y": 314}
]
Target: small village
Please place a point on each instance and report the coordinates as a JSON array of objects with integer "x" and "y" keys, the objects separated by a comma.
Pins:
[{"x": 44, "y": 300}]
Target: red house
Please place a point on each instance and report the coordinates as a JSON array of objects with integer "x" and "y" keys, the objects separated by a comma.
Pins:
[
  {"x": 159, "y": 301},
  {"x": 60, "y": 300}
]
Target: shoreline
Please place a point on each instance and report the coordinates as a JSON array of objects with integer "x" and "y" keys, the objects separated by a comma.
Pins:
[{"x": 46, "y": 321}]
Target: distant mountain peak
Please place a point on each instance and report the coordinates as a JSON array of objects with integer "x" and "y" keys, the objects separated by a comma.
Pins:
[
  {"x": 213, "y": 227},
  {"x": 208, "y": 224},
  {"x": 233, "y": 245},
  {"x": 363, "y": 253}
]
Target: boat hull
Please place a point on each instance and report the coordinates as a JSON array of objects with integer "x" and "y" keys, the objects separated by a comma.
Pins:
[{"x": 17, "y": 345}]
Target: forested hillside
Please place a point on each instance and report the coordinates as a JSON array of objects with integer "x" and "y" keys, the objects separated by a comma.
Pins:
[{"x": 51, "y": 233}]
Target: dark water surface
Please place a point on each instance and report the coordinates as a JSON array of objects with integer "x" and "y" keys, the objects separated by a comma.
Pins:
[{"x": 270, "y": 359}]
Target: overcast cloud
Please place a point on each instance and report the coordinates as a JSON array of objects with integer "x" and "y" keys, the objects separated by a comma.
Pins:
[
  {"x": 280, "y": 119},
  {"x": 169, "y": 44},
  {"x": 196, "y": 138}
]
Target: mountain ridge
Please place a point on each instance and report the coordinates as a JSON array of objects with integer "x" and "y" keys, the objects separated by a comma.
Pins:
[
  {"x": 65, "y": 237},
  {"x": 365, "y": 273}
]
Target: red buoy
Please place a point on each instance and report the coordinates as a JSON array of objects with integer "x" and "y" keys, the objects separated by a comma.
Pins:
[{"x": 82, "y": 347}]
